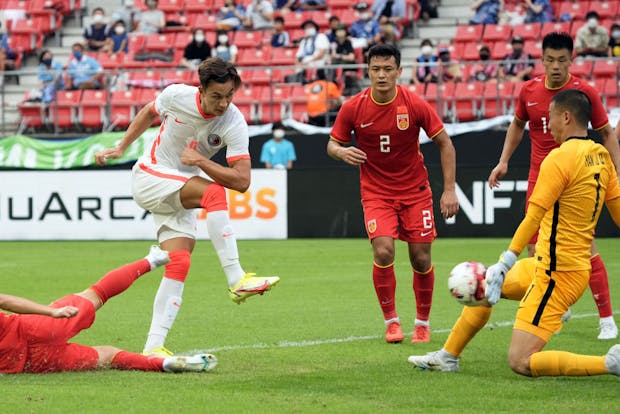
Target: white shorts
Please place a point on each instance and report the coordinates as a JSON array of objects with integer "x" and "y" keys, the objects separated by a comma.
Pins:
[{"x": 156, "y": 189}]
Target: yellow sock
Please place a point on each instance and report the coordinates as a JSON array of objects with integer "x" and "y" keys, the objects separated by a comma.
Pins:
[
  {"x": 556, "y": 363},
  {"x": 472, "y": 319}
]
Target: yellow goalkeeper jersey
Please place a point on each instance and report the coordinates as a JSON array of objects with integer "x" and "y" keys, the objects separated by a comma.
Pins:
[{"x": 574, "y": 182}]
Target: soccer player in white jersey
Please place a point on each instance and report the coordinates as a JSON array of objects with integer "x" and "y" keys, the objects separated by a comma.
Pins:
[{"x": 166, "y": 180}]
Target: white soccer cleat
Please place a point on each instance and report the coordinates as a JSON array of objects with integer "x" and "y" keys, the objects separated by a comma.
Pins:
[
  {"x": 195, "y": 363},
  {"x": 612, "y": 360},
  {"x": 157, "y": 257},
  {"x": 566, "y": 316},
  {"x": 608, "y": 328},
  {"x": 435, "y": 361}
]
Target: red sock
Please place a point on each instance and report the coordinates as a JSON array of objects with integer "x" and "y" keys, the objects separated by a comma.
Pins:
[
  {"x": 599, "y": 286},
  {"x": 118, "y": 280},
  {"x": 129, "y": 361},
  {"x": 384, "y": 280},
  {"x": 423, "y": 285}
]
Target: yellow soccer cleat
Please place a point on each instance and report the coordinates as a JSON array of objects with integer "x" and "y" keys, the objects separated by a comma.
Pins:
[
  {"x": 251, "y": 285},
  {"x": 160, "y": 351}
]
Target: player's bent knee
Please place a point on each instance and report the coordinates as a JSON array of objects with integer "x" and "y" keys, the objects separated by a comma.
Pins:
[
  {"x": 520, "y": 364},
  {"x": 214, "y": 198},
  {"x": 106, "y": 355},
  {"x": 178, "y": 266}
]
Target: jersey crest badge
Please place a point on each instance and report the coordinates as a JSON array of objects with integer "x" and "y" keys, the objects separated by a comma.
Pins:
[
  {"x": 372, "y": 226},
  {"x": 214, "y": 140},
  {"x": 402, "y": 121}
]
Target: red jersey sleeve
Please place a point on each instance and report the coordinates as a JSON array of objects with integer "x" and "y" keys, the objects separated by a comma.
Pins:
[
  {"x": 599, "y": 114},
  {"x": 520, "y": 108},
  {"x": 426, "y": 116}
]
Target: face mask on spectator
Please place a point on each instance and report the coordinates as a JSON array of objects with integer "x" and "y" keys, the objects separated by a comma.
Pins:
[
  {"x": 310, "y": 31},
  {"x": 119, "y": 30},
  {"x": 592, "y": 23},
  {"x": 615, "y": 34},
  {"x": 77, "y": 54},
  {"x": 199, "y": 37},
  {"x": 427, "y": 50},
  {"x": 222, "y": 38},
  {"x": 365, "y": 16},
  {"x": 97, "y": 18},
  {"x": 47, "y": 62},
  {"x": 484, "y": 56},
  {"x": 151, "y": 4},
  {"x": 278, "y": 133}
]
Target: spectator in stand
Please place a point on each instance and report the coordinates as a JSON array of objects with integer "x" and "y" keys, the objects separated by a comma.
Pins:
[
  {"x": 196, "y": 51},
  {"x": 259, "y": 15},
  {"x": 313, "y": 49},
  {"x": 426, "y": 67},
  {"x": 389, "y": 14},
  {"x": 310, "y": 5},
  {"x": 119, "y": 38},
  {"x": 486, "y": 11},
  {"x": 97, "y": 35},
  {"x": 6, "y": 53},
  {"x": 592, "y": 39},
  {"x": 280, "y": 37},
  {"x": 334, "y": 22},
  {"x": 49, "y": 73},
  {"x": 428, "y": 9},
  {"x": 324, "y": 100},
  {"x": 342, "y": 54},
  {"x": 365, "y": 32},
  {"x": 223, "y": 49},
  {"x": 485, "y": 69},
  {"x": 614, "y": 40},
  {"x": 85, "y": 72},
  {"x": 449, "y": 69},
  {"x": 284, "y": 6},
  {"x": 278, "y": 153},
  {"x": 518, "y": 65},
  {"x": 230, "y": 16},
  {"x": 538, "y": 11},
  {"x": 151, "y": 20},
  {"x": 128, "y": 13}
]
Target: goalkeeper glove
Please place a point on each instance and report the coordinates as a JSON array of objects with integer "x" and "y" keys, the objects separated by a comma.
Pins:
[{"x": 496, "y": 274}]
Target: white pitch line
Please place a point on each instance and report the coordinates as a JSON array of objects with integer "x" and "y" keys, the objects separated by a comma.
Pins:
[{"x": 302, "y": 344}]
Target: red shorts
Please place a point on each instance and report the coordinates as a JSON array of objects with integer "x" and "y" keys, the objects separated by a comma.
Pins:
[
  {"x": 530, "y": 189},
  {"x": 407, "y": 220},
  {"x": 48, "y": 350}
]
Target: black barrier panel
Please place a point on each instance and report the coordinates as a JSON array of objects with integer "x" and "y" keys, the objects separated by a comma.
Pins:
[{"x": 326, "y": 203}]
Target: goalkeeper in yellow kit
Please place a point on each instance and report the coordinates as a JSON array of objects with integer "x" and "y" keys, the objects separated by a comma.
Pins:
[{"x": 575, "y": 181}]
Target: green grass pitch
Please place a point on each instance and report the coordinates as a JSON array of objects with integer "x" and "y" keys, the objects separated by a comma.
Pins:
[{"x": 314, "y": 344}]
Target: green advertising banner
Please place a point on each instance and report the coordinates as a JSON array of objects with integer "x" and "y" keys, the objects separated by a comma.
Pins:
[{"x": 24, "y": 152}]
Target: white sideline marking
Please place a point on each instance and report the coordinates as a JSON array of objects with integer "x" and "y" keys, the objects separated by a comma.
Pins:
[{"x": 302, "y": 344}]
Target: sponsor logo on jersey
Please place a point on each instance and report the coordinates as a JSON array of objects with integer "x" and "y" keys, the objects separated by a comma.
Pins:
[{"x": 214, "y": 140}]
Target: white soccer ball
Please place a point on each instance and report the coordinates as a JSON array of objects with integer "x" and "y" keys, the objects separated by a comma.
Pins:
[{"x": 467, "y": 284}]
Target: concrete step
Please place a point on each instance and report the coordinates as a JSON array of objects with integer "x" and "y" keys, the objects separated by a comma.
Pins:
[
  {"x": 452, "y": 3},
  {"x": 456, "y": 12}
]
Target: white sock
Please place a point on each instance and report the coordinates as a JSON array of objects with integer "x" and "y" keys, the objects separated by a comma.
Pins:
[
  {"x": 608, "y": 319},
  {"x": 419, "y": 322},
  {"x": 165, "y": 309},
  {"x": 225, "y": 244},
  {"x": 389, "y": 321}
]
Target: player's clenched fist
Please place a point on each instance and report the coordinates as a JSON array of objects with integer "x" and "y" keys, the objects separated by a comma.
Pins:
[{"x": 102, "y": 156}]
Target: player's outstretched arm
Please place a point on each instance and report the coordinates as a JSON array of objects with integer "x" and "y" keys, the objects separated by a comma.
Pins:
[
  {"x": 236, "y": 177},
  {"x": 613, "y": 206},
  {"x": 448, "y": 203},
  {"x": 514, "y": 135},
  {"x": 350, "y": 155},
  {"x": 141, "y": 122},
  {"x": 18, "y": 304}
]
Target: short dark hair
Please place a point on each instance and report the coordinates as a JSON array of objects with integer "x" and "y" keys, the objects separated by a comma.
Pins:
[
  {"x": 96, "y": 9},
  {"x": 216, "y": 69},
  {"x": 278, "y": 19},
  {"x": 385, "y": 50},
  {"x": 558, "y": 41},
  {"x": 592, "y": 13},
  {"x": 577, "y": 103},
  {"x": 425, "y": 42}
]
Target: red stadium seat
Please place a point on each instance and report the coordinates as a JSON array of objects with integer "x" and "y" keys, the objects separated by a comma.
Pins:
[
  {"x": 63, "y": 112},
  {"x": 253, "y": 57},
  {"x": 534, "y": 48},
  {"x": 92, "y": 109},
  {"x": 33, "y": 114},
  {"x": 581, "y": 68},
  {"x": 182, "y": 39},
  {"x": 471, "y": 51},
  {"x": 170, "y": 6},
  {"x": 606, "y": 9},
  {"x": 299, "y": 103},
  {"x": 107, "y": 61},
  {"x": 145, "y": 79},
  {"x": 176, "y": 76},
  {"x": 123, "y": 107},
  {"x": 417, "y": 88},
  {"x": 321, "y": 18},
  {"x": 347, "y": 15},
  {"x": 611, "y": 93},
  {"x": 468, "y": 33},
  {"x": 198, "y": 6},
  {"x": 249, "y": 39},
  {"x": 496, "y": 98},
  {"x": 246, "y": 99},
  {"x": 496, "y": 32},
  {"x": 577, "y": 10},
  {"x": 554, "y": 27},
  {"x": 500, "y": 50},
  {"x": 136, "y": 42},
  {"x": 605, "y": 69},
  {"x": 467, "y": 101},
  {"x": 257, "y": 76},
  {"x": 294, "y": 20},
  {"x": 206, "y": 22},
  {"x": 159, "y": 42},
  {"x": 283, "y": 56},
  {"x": 146, "y": 96},
  {"x": 528, "y": 31},
  {"x": 271, "y": 106}
]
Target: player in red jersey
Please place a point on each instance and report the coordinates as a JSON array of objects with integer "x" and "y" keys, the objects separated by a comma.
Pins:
[
  {"x": 533, "y": 107},
  {"x": 396, "y": 196},
  {"x": 35, "y": 337}
]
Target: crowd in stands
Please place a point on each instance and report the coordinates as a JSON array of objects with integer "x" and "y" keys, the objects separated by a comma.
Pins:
[{"x": 501, "y": 43}]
